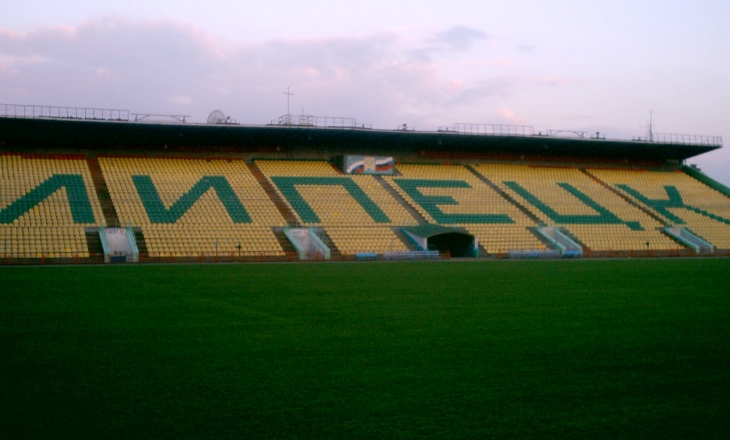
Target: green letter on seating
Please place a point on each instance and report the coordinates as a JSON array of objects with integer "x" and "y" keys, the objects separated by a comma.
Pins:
[
  {"x": 431, "y": 203},
  {"x": 78, "y": 199},
  {"x": 287, "y": 186},
  {"x": 604, "y": 216},
  {"x": 157, "y": 212},
  {"x": 674, "y": 201}
]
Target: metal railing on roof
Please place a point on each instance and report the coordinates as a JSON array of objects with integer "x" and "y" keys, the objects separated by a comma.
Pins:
[
  {"x": 152, "y": 117},
  {"x": 686, "y": 139},
  {"x": 493, "y": 129},
  {"x": 53, "y": 112},
  {"x": 306, "y": 121},
  {"x": 526, "y": 130}
]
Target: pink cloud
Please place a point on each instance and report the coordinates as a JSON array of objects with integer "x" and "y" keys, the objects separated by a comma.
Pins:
[
  {"x": 551, "y": 80},
  {"x": 165, "y": 66},
  {"x": 507, "y": 113}
]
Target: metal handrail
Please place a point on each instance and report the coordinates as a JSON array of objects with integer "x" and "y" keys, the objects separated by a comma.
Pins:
[
  {"x": 686, "y": 139},
  {"x": 494, "y": 129},
  {"x": 54, "y": 112}
]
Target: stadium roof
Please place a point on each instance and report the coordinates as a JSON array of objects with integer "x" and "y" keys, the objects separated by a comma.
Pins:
[{"x": 39, "y": 133}]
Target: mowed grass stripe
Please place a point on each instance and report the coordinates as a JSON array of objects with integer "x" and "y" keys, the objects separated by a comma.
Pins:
[{"x": 405, "y": 350}]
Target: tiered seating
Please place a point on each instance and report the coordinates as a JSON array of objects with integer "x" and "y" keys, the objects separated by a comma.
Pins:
[
  {"x": 452, "y": 195},
  {"x": 193, "y": 207},
  {"x": 45, "y": 204},
  {"x": 355, "y": 210},
  {"x": 678, "y": 198},
  {"x": 188, "y": 208},
  {"x": 350, "y": 241},
  {"x": 567, "y": 197}
]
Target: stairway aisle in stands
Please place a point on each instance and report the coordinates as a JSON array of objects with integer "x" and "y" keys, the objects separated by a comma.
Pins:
[
  {"x": 548, "y": 244},
  {"x": 335, "y": 253},
  {"x": 631, "y": 201},
  {"x": 506, "y": 196},
  {"x": 284, "y": 242},
  {"x": 141, "y": 243},
  {"x": 402, "y": 236},
  {"x": 411, "y": 210},
  {"x": 102, "y": 192},
  {"x": 93, "y": 243},
  {"x": 273, "y": 195}
]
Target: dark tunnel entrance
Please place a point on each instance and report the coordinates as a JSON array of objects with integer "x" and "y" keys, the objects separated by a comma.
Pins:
[
  {"x": 458, "y": 244},
  {"x": 443, "y": 239}
]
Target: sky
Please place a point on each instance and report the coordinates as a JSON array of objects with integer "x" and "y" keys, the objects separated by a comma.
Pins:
[{"x": 598, "y": 66}]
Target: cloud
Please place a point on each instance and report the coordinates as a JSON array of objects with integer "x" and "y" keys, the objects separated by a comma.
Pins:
[
  {"x": 507, "y": 113},
  {"x": 553, "y": 80},
  {"x": 454, "y": 40},
  {"x": 498, "y": 86},
  {"x": 181, "y": 99},
  {"x": 387, "y": 78},
  {"x": 459, "y": 38},
  {"x": 527, "y": 48},
  {"x": 172, "y": 67}
]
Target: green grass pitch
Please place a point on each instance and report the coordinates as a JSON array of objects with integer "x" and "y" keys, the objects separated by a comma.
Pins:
[{"x": 559, "y": 349}]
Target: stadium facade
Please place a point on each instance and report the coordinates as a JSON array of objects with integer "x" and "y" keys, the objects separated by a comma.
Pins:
[{"x": 93, "y": 185}]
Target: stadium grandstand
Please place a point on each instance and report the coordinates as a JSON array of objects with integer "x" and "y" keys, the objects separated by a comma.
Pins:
[{"x": 101, "y": 185}]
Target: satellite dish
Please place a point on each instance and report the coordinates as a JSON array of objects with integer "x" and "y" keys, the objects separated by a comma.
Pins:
[{"x": 216, "y": 117}]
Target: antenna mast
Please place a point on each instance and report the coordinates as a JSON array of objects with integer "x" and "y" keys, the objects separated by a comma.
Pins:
[
  {"x": 288, "y": 116},
  {"x": 288, "y": 95},
  {"x": 651, "y": 125}
]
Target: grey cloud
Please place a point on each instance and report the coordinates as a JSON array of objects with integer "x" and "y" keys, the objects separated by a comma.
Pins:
[
  {"x": 495, "y": 87},
  {"x": 459, "y": 37},
  {"x": 167, "y": 67},
  {"x": 526, "y": 48},
  {"x": 322, "y": 56},
  {"x": 455, "y": 39}
]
